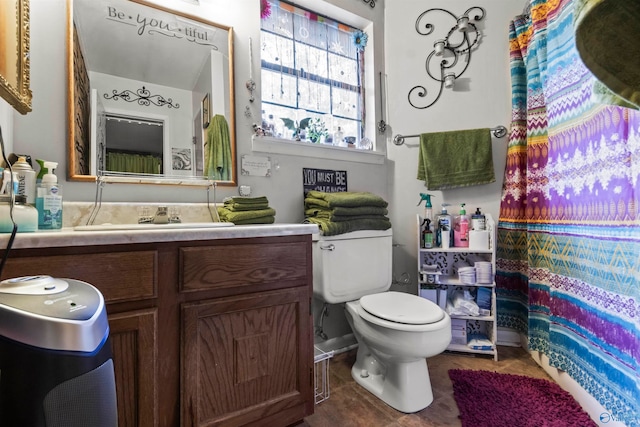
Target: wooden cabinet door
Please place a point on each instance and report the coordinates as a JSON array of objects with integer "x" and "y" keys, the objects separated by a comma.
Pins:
[
  {"x": 134, "y": 345},
  {"x": 247, "y": 359}
]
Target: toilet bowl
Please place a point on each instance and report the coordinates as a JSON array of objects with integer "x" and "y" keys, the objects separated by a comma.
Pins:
[{"x": 395, "y": 331}]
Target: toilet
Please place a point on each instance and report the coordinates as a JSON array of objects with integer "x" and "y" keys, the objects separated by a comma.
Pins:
[{"x": 395, "y": 331}]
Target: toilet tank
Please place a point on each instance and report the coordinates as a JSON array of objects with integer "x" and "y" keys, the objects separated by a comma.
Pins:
[{"x": 350, "y": 265}]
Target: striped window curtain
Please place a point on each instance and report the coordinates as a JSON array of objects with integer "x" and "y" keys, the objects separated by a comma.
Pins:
[{"x": 568, "y": 267}]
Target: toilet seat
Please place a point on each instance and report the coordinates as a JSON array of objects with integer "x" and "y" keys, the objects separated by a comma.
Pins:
[{"x": 400, "y": 311}]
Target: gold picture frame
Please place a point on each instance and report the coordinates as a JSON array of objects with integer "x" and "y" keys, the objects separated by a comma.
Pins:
[
  {"x": 14, "y": 54},
  {"x": 206, "y": 108}
]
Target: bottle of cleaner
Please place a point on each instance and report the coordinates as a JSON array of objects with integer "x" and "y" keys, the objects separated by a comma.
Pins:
[
  {"x": 444, "y": 232},
  {"x": 26, "y": 179},
  {"x": 428, "y": 211},
  {"x": 461, "y": 228},
  {"x": 478, "y": 221},
  {"x": 427, "y": 234},
  {"x": 49, "y": 200}
]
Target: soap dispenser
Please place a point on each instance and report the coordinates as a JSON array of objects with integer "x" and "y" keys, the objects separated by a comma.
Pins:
[
  {"x": 49, "y": 199},
  {"x": 444, "y": 231},
  {"x": 461, "y": 229}
]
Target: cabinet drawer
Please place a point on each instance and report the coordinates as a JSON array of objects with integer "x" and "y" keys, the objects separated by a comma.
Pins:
[
  {"x": 214, "y": 267},
  {"x": 118, "y": 275}
]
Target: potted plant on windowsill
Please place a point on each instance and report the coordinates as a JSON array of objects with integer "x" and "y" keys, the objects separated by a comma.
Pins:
[{"x": 316, "y": 130}]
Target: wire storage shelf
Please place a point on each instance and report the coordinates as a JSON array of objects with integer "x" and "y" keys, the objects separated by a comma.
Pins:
[{"x": 321, "y": 374}]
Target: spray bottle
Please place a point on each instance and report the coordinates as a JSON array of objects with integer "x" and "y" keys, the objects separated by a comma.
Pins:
[
  {"x": 49, "y": 199},
  {"x": 444, "y": 228},
  {"x": 426, "y": 234}
]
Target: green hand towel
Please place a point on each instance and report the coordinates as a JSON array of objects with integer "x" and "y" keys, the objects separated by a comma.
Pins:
[
  {"x": 227, "y": 215},
  {"x": 345, "y": 199},
  {"x": 330, "y": 228},
  {"x": 217, "y": 159},
  {"x": 456, "y": 159},
  {"x": 340, "y": 211}
]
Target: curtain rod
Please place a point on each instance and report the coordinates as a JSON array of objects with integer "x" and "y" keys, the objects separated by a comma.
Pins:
[{"x": 498, "y": 132}]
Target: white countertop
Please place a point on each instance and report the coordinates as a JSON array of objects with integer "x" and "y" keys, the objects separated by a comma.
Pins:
[{"x": 70, "y": 237}]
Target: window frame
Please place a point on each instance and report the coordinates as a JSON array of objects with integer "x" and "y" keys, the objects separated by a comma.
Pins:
[{"x": 363, "y": 76}]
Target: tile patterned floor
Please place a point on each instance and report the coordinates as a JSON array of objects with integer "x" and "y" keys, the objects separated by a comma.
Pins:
[{"x": 350, "y": 405}]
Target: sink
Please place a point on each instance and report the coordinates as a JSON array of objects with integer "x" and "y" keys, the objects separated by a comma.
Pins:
[{"x": 183, "y": 225}]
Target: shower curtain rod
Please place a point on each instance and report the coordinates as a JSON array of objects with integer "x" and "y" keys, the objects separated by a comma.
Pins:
[{"x": 498, "y": 132}]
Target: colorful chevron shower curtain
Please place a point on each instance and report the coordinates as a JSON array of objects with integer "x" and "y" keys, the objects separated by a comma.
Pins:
[{"x": 569, "y": 230}]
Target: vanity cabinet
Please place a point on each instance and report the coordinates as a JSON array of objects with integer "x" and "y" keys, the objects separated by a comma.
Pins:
[
  {"x": 438, "y": 278},
  {"x": 203, "y": 332}
]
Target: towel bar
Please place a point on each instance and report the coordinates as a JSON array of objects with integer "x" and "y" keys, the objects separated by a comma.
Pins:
[{"x": 498, "y": 132}]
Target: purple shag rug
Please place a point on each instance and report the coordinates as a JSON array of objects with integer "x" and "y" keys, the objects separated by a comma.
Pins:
[{"x": 490, "y": 399}]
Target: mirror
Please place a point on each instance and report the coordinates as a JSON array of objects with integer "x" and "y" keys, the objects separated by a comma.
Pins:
[
  {"x": 151, "y": 94},
  {"x": 14, "y": 54}
]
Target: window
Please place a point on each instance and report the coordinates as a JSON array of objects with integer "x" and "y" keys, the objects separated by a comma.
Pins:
[{"x": 312, "y": 74}]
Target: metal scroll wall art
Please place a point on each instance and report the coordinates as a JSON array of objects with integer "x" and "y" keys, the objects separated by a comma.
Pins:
[
  {"x": 143, "y": 97},
  {"x": 451, "y": 55}
]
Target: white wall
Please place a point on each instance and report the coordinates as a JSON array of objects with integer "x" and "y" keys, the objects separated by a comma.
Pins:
[
  {"x": 485, "y": 101},
  {"x": 6, "y": 125}
]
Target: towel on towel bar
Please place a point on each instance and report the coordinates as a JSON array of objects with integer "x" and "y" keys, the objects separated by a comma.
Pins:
[{"x": 456, "y": 159}]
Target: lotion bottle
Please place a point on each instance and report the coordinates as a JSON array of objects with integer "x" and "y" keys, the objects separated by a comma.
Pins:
[
  {"x": 461, "y": 228},
  {"x": 49, "y": 200}
]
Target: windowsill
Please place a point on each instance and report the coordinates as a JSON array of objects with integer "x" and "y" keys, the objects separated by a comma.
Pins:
[{"x": 268, "y": 144}]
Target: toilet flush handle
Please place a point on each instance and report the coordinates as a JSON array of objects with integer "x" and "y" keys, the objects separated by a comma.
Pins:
[{"x": 330, "y": 247}]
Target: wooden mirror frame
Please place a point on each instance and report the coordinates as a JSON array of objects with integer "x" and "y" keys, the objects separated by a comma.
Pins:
[
  {"x": 17, "y": 93},
  {"x": 76, "y": 147}
]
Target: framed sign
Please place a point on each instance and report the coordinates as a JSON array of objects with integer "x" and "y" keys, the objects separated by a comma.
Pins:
[
  {"x": 325, "y": 180},
  {"x": 206, "y": 116}
]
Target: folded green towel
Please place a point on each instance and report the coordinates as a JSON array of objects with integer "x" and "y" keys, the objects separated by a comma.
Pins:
[
  {"x": 246, "y": 203},
  {"x": 345, "y": 199},
  {"x": 246, "y": 206},
  {"x": 247, "y": 200},
  {"x": 340, "y": 211},
  {"x": 260, "y": 220},
  {"x": 455, "y": 159},
  {"x": 227, "y": 215},
  {"x": 340, "y": 218},
  {"x": 330, "y": 228}
]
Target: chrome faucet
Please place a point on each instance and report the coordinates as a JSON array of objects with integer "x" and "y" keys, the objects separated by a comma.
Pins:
[{"x": 161, "y": 216}]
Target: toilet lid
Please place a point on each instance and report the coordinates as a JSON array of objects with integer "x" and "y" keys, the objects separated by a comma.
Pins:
[{"x": 401, "y": 307}]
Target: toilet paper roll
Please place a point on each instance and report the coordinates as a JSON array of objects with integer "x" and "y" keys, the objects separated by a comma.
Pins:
[{"x": 478, "y": 239}]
